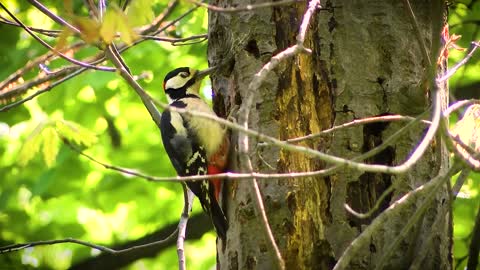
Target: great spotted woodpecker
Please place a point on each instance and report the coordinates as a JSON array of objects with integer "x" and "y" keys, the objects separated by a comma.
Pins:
[{"x": 195, "y": 145}]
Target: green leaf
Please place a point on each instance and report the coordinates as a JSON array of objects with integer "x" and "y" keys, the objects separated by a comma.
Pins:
[
  {"x": 140, "y": 12},
  {"x": 115, "y": 21},
  {"x": 31, "y": 146},
  {"x": 62, "y": 40},
  {"x": 50, "y": 145},
  {"x": 89, "y": 29},
  {"x": 75, "y": 133},
  {"x": 109, "y": 26}
]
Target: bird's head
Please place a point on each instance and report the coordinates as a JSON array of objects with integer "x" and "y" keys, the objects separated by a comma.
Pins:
[{"x": 183, "y": 81}]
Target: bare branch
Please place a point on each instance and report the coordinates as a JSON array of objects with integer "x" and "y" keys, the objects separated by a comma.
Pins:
[
  {"x": 459, "y": 182},
  {"x": 459, "y": 104},
  {"x": 473, "y": 47},
  {"x": 47, "y": 32},
  {"x": 146, "y": 99},
  {"x": 45, "y": 44},
  {"x": 239, "y": 176},
  {"x": 325, "y": 157},
  {"x": 266, "y": 226},
  {"x": 17, "y": 247},
  {"x": 427, "y": 245},
  {"x": 257, "y": 196},
  {"x": 312, "y": 6},
  {"x": 27, "y": 85},
  {"x": 474, "y": 247},
  {"x": 243, "y": 139},
  {"x": 463, "y": 151},
  {"x": 463, "y": 135},
  {"x": 43, "y": 90},
  {"x": 356, "y": 122},
  {"x": 22, "y": 88},
  {"x": 374, "y": 208},
  {"x": 102, "y": 7},
  {"x": 427, "y": 192},
  {"x": 427, "y": 201},
  {"x": 182, "y": 226},
  {"x": 91, "y": 8},
  {"x": 179, "y": 18},
  {"x": 245, "y": 8},
  {"x": 53, "y": 16},
  {"x": 155, "y": 24},
  {"x": 418, "y": 33},
  {"x": 32, "y": 64},
  {"x": 175, "y": 41}
]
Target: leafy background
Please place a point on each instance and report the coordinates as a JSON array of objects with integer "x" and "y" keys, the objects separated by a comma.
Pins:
[
  {"x": 48, "y": 191},
  {"x": 464, "y": 20}
]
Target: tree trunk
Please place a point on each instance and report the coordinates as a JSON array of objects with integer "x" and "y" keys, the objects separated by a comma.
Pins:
[{"x": 366, "y": 61}]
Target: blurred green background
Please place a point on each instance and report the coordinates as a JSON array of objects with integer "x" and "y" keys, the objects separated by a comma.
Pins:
[
  {"x": 48, "y": 191},
  {"x": 54, "y": 193}
]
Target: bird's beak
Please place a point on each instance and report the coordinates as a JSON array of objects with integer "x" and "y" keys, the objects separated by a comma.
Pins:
[{"x": 203, "y": 73}]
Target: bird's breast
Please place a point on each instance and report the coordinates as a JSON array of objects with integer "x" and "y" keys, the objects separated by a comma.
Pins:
[{"x": 210, "y": 133}]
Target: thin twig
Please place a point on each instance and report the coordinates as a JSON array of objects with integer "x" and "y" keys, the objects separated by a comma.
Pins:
[
  {"x": 459, "y": 104},
  {"x": 426, "y": 191},
  {"x": 53, "y": 53},
  {"x": 418, "y": 33},
  {"x": 16, "y": 247},
  {"x": 461, "y": 150},
  {"x": 417, "y": 154},
  {"x": 356, "y": 122},
  {"x": 460, "y": 181},
  {"x": 257, "y": 196},
  {"x": 156, "y": 22},
  {"x": 182, "y": 226},
  {"x": 415, "y": 218},
  {"x": 179, "y": 18},
  {"x": 17, "y": 90},
  {"x": 102, "y": 7},
  {"x": 45, "y": 44},
  {"x": 474, "y": 46},
  {"x": 240, "y": 176},
  {"x": 93, "y": 11},
  {"x": 52, "y": 16},
  {"x": 266, "y": 225},
  {"x": 243, "y": 139},
  {"x": 43, "y": 90},
  {"x": 312, "y": 6},
  {"x": 374, "y": 208},
  {"x": 175, "y": 41},
  {"x": 125, "y": 5},
  {"x": 146, "y": 99},
  {"x": 427, "y": 247},
  {"x": 46, "y": 32},
  {"x": 245, "y": 8},
  {"x": 159, "y": 19},
  {"x": 465, "y": 152},
  {"x": 20, "y": 89}
]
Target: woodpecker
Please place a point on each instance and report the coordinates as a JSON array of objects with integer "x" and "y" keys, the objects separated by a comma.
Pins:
[{"x": 195, "y": 145}]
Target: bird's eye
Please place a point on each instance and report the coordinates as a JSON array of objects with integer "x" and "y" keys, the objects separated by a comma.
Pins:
[{"x": 184, "y": 74}]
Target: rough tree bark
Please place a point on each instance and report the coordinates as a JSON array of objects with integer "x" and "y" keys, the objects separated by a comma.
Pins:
[{"x": 366, "y": 61}]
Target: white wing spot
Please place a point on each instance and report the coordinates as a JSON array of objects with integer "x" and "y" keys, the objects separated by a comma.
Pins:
[{"x": 194, "y": 158}]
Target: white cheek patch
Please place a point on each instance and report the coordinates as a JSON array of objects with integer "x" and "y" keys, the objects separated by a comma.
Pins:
[{"x": 176, "y": 82}]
